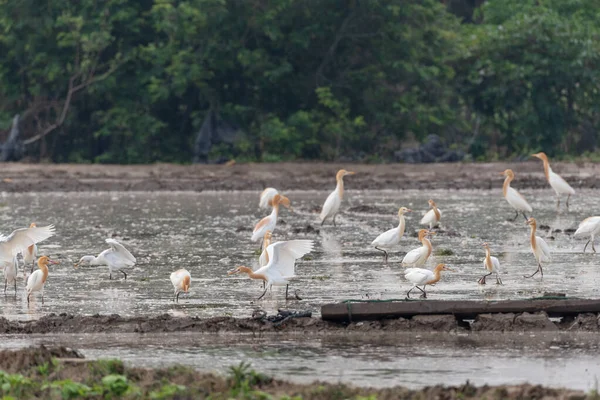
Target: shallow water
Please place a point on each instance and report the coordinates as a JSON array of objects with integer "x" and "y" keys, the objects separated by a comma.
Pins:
[
  {"x": 208, "y": 233},
  {"x": 414, "y": 361}
]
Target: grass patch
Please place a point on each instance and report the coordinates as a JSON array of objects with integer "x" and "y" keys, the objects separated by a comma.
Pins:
[{"x": 444, "y": 252}]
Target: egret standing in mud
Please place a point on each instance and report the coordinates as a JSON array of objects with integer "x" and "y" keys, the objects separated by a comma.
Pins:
[
  {"x": 116, "y": 257},
  {"x": 266, "y": 197},
  {"x": 491, "y": 264},
  {"x": 423, "y": 277},
  {"x": 391, "y": 238},
  {"x": 433, "y": 216},
  {"x": 30, "y": 254},
  {"x": 20, "y": 239},
  {"x": 589, "y": 227},
  {"x": 417, "y": 257},
  {"x": 539, "y": 248},
  {"x": 37, "y": 280},
  {"x": 181, "y": 280},
  {"x": 513, "y": 197},
  {"x": 334, "y": 200},
  {"x": 10, "y": 274},
  {"x": 269, "y": 222},
  {"x": 281, "y": 268},
  {"x": 559, "y": 185}
]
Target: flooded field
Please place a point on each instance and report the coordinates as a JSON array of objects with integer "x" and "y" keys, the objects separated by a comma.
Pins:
[{"x": 209, "y": 234}]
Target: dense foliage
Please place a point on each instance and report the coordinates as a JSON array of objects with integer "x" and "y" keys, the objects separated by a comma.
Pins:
[{"x": 132, "y": 81}]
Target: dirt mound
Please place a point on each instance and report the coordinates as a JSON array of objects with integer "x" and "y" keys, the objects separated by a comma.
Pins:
[{"x": 25, "y": 359}]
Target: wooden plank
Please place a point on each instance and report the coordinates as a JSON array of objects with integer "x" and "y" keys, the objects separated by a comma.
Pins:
[{"x": 360, "y": 311}]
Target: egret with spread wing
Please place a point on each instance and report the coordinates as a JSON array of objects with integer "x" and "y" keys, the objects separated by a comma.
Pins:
[
  {"x": 30, "y": 254},
  {"x": 20, "y": 239},
  {"x": 281, "y": 268},
  {"x": 117, "y": 257}
]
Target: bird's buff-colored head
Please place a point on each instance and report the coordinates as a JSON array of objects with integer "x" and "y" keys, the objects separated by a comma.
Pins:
[
  {"x": 33, "y": 225},
  {"x": 186, "y": 284},
  {"x": 541, "y": 155},
  {"x": 444, "y": 267},
  {"x": 239, "y": 270},
  {"x": 45, "y": 260},
  {"x": 531, "y": 222},
  {"x": 508, "y": 172},
  {"x": 342, "y": 172},
  {"x": 403, "y": 210}
]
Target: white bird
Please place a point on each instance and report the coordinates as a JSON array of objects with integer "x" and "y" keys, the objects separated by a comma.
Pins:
[
  {"x": 266, "y": 197},
  {"x": 37, "y": 280},
  {"x": 513, "y": 197},
  {"x": 281, "y": 267},
  {"x": 21, "y": 239},
  {"x": 10, "y": 273},
  {"x": 559, "y": 185},
  {"x": 391, "y": 238},
  {"x": 181, "y": 280},
  {"x": 539, "y": 248},
  {"x": 269, "y": 222},
  {"x": 491, "y": 264},
  {"x": 334, "y": 200},
  {"x": 423, "y": 277},
  {"x": 264, "y": 256},
  {"x": 417, "y": 257},
  {"x": 117, "y": 257},
  {"x": 30, "y": 254},
  {"x": 589, "y": 227},
  {"x": 433, "y": 216}
]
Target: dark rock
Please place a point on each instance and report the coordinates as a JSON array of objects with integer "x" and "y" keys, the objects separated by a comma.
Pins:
[
  {"x": 434, "y": 322},
  {"x": 534, "y": 322},
  {"x": 585, "y": 322},
  {"x": 493, "y": 322}
]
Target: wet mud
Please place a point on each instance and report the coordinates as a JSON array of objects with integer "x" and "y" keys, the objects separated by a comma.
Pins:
[
  {"x": 524, "y": 322},
  {"x": 18, "y": 177},
  {"x": 70, "y": 365}
]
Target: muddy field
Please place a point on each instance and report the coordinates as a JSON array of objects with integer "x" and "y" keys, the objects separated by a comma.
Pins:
[
  {"x": 44, "y": 373},
  {"x": 17, "y": 177}
]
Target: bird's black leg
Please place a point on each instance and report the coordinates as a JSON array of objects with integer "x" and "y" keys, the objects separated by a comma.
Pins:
[
  {"x": 5, "y": 285},
  {"x": 498, "y": 280},
  {"x": 28, "y": 294},
  {"x": 15, "y": 288},
  {"x": 536, "y": 271},
  {"x": 385, "y": 256},
  {"x": 262, "y": 295},
  {"x": 557, "y": 202},
  {"x": 177, "y": 297},
  {"x": 286, "y": 291},
  {"x": 322, "y": 222},
  {"x": 515, "y": 218},
  {"x": 123, "y": 272},
  {"x": 42, "y": 296},
  {"x": 334, "y": 215},
  {"x": 408, "y": 293},
  {"x": 586, "y": 245},
  {"x": 593, "y": 248},
  {"x": 482, "y": 280},
  {"x": 110, "y": 276},
  {"x": 568, "y": 197},
  {"x": 424, "y": 295},
  {"x": 525, "y": 216}
]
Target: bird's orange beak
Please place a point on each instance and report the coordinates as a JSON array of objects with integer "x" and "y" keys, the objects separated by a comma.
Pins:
[
  {"x": 53, "y": 262},
  {"x": 409, "y": 210},
  {"x": 449, "y": 269},
  {"x": 233, "y": 272},
  {"x": 431, "y": 233},
  {"x": 350, "y": 173}
]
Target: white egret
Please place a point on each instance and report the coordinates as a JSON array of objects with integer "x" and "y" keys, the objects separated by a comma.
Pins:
[
  {"x": 491, "y": 264},
  {"x": 10, "y": 274},
  {"x": 433, "y": 216},
  {"x": 559, "y": 185},
  {"x": 266, "y": 197},
  {"x": 589, "y": 227},
  {"x": 37, "y": 280},
  {"x": 280, "y": 269},
  {"x": 391, "y": 238},
  {"x": 116, "y": 257},
  {"x": 539, "y": 248},
  {"x": 513, "y": 197},
  {"x": 334, "y": 200},
  {"x": 181, "y": 280},
  {"x": 417, "y": 257},
  {"x": 269, "y": 222},
  {"x": 20, "y": 239},
  {"x": 423, "y": 277},
  {"x": 30, "y": 254}
]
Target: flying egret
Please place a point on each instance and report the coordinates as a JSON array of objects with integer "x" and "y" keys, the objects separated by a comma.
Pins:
[
  {"x": 266, "y": 197},
  {"x": 117, "y": 257},
  {"x": 264, "y": 256},
  {"x": 334, "y": 200},
  {"x": 20, "y": 239},
  {"x": 10, "y": 274},
  {"x": 513, "y": 197},
  {"x": 559, "y": 185},
  {"x": 589, "y": 227},
  {"x": 491, "y": 264},
  {"x": 30, "y": 254},
  {"x": 280, "y": 269},
  {"x": 417, "y": 257},
  {"x": 269, "y": 222},
  {"x": 181, "y": 280},
  {"x": 431, "y": 217},
  {"x": 391, "y": 238},
  {"x": 423, "y": 277},
  {"x": 37, "y": 280},
  {"x": 539, "y": 248}
]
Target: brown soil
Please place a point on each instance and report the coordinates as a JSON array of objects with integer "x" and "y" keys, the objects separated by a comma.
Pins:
[
  {"x": 165, "y": 323},
  {"x": 17, "y": 177},
  {"x": 204, "y": 385}
]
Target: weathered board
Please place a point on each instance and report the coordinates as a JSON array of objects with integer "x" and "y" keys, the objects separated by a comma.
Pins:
[{"x": 361, "y": 311}]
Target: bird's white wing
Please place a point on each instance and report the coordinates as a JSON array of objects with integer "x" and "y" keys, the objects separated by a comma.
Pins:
[
  {"x": 413, "y": 256},
  {"x": 120, "y": 251},
  {"x": 387, "y": 238},
  {"x": 588, "y": 226},
  {"x": 265, "y": 196},
  {"x": 546, "y": 252},
  {"x": 177, "y": 276},
  {"x": 515, "y": 199},
  {"x": 418, "y": 275},
  {"x": 283, "y": 255},
  {"x": 429, "y": 217},
  {"x": 22, "y": 238},
  {"x": 496, "y": 264},
  {"x": 34, "y": 280},
  {"x": 559, "y": 184},
  {"x": 330, "y": 206}
]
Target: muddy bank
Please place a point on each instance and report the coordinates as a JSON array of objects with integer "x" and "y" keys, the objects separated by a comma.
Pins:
[
  {"x": 63, "y": 373},
  {"x": 17, "y": 177},
  {"x": 524, "y": 322}
]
